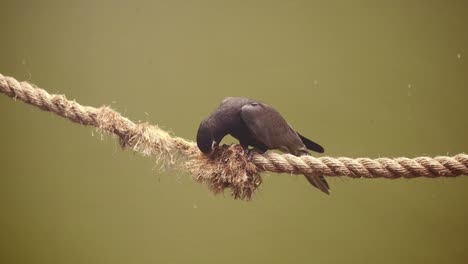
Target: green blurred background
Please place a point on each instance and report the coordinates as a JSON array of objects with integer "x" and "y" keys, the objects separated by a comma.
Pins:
[{"x": 363, "y": 78}]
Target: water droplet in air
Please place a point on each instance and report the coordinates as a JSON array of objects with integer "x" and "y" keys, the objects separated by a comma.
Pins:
[{"x": 459, "y": 56}]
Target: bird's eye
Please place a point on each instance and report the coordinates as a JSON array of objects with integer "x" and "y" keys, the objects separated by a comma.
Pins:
[{"x": 254, "y": 104}]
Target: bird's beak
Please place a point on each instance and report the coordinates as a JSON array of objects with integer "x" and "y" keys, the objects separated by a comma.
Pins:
[{"x": 214, "y": 144}]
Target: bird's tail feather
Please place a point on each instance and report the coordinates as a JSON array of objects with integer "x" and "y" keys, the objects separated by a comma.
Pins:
[
  {"x": 318, "y": 182},
  {"x": 310, "y": 144}
]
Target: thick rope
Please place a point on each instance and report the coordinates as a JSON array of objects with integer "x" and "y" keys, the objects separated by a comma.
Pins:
[{"x": 227, "y": 168}]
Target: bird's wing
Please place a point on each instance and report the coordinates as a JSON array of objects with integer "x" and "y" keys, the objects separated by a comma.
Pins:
[{"x": 269, "y": 127}]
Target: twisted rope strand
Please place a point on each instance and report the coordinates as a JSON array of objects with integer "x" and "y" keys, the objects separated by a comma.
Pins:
[
  {"x": 151, "y": 140},
  {"x": 440, "y": 166}
]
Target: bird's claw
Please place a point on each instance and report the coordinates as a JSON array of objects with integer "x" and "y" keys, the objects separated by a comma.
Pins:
[{"x": 250, "y": 153}]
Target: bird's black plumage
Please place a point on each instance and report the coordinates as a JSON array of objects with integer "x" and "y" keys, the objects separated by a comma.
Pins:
[{"x": 258, "y": 125}]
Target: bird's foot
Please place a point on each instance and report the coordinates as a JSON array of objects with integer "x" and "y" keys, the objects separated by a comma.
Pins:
[{"x": 250, "y": 153}]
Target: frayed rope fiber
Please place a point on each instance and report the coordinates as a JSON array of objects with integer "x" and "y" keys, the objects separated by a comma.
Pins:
[{"x": 227, "y": 167}]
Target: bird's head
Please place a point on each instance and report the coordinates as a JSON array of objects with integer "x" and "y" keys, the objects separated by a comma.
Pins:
[{"x": 206, "y": 141}]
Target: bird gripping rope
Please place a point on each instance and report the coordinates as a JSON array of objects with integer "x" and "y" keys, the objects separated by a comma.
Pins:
[{"x": 228, "y": 167}]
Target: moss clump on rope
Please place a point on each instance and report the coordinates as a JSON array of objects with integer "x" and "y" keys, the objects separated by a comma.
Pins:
[{"x": 226, "y": 168}]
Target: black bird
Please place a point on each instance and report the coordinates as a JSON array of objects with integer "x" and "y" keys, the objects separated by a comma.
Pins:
[{"x": 258, "y": 125}]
